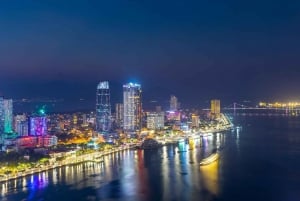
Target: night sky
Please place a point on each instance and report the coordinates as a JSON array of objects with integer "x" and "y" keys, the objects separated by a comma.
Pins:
[{"x": 196, "y": 50}]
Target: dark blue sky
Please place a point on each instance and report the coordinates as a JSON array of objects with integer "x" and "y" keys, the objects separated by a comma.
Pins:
[{"x": 196, "y": 50}]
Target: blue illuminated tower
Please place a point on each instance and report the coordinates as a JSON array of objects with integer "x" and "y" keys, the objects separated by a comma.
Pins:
[
  {"x": 38, "y": 123},
  {"x": 6, "y": 118},
  {"x": 132, "y": 101},
  {"x": 103, "y": 108},
  {"x": 6, "y": 115}
]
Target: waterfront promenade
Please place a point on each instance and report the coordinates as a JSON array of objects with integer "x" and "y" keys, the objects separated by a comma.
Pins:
[{"x": 93, "y": 157}]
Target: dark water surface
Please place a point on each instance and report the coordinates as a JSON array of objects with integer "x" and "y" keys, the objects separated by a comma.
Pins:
[{"x": 260, "y": 161}]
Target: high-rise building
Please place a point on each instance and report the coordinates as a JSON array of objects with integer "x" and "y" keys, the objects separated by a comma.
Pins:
[
  {"x": 2, "y": 116},
  {"x": 21, "y": 125},
  {"x": 38, "y": 126},
  {"x": 84, "y": 119},
  {"x": 155, "y": 120},
  {"x": 174, "y": 105},
  {"x": 6, "y": 119},
  {"x": 215, "y": 108},
  {"x": 8, "y": 115},
  {"x": 132, "y": 102},
  {"x": 119, "y": 114},
  {"x": 195, "y": 121},
  {"x": 103, "y": 108}
]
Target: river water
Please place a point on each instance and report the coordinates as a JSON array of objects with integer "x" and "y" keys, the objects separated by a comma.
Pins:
[{"x": 259, "y": 161}]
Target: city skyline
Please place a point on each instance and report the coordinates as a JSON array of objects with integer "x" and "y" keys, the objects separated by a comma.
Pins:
[
  {"x": 206, "y": 50},
  {"x": 149, "y": 100}
]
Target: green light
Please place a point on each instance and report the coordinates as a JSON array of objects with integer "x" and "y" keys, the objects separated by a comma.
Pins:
[{"x": 42, "y": 111}]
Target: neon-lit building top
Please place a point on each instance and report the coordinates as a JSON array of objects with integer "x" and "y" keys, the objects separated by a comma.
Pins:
[
  {"x": 132, "y": 85},
  {"x": 103, "y": 85}
]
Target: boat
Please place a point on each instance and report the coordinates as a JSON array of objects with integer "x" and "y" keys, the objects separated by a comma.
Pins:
[
  {"x": 207, "y": 134},
  {"x": 150, "y": 144},
  {"x": 213, "y": 157}
]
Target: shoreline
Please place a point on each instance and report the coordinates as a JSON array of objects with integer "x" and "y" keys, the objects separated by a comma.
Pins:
[{"x": 70, "y": 161}]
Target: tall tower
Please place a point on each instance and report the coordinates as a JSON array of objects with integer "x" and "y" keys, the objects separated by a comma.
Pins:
[
  {"x": 21, "y": 125},
  {"x": 155, "y": 120},
  {"x": 38, "y": 123},
  {"x": 8, "y": 115},
  {"x": 132, "y": 103},
  {"x": 195, "y": 121},
  {"x": 173, "y": 103},
  {"x": 215, "y": 108},
  {"x": 103, "y": 108},
  {"x": 2, "y": 116},
  {"x": 119, "y": 114}
]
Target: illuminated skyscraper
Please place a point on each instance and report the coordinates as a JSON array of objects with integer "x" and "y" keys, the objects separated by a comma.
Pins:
[
  {"x": 2, "y": 117},
  {"x": 38, "y": 126},
  {"x": 8, "y": 115},
  {"x": 6, "y": 118},
  {"x": 132, "y": 101},
  {"x": 38, "y": 123},
  {"x": 21, "y": 125},
  {"x": 103, "y": 108},
  {"x": 174, "y": 105},
  {"x": 195, "y": 121},
  {"x": 155, "y": 120},
  {"x": 119, "y": 114},
  {"x": 215, "y": 108}
]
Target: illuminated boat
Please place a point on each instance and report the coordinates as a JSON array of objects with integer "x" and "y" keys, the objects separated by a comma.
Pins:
[
  {"x": 213, "y": 157},
  {"x": 207, "y": 134},
  {"x": 181, "y": 140}
]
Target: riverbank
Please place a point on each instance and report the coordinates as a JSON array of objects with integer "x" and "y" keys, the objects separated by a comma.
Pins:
[{"x": 93, "y": 157}]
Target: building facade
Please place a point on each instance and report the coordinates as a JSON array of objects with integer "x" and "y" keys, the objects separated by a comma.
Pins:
[
  {"x": 195, "y": 121},
  {"x": 174, "y": 105},
  {"x": 119, "y": 114},
  {"x": 132, "y": 103},
  {"x": 36, "y": 141},
  {"x": 8, "y": 115},
  {"x": 38, "y": 126},
  {"x": 155, "y": 120},
  {"x": 6, "y": 118},
  {"x": 21, "y": 125},
  {"x": 2, "y": 117},
  {"x": 215, "y": 108},
  {"x": 103, "y": 108}
]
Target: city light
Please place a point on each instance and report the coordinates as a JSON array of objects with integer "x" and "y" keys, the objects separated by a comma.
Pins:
[{"x": 279, "y": 104}]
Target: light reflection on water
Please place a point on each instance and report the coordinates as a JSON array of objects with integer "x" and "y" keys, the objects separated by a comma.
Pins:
[
  {"x": 171, "y": 172},
  {"x": 210, "y": 177}
]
